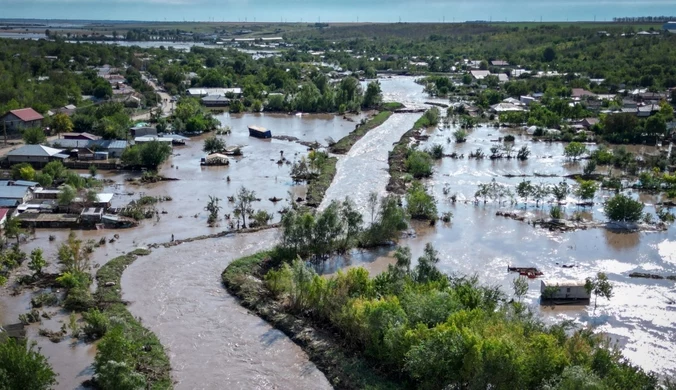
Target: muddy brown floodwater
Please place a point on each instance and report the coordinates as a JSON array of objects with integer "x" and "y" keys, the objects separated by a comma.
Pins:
[
  {"x": 211, "y": 340},
  {"x": 214, "y": 343}
]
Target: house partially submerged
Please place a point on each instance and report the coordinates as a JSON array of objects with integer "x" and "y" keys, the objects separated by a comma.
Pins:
[{"x": 564, "y": 291}]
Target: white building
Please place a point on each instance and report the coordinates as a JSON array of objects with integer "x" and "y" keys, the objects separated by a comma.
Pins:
[{"x": 564, "y": 290}]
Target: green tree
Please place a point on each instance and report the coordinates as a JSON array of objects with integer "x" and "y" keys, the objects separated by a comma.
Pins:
[
  {"x": 154, "y": 153},
  {"x": 213, "y": 208},
  {"x": 623, "y": 209},
  {"x": 520, "y": 285},
  {"x": 61, "y": 123},
  {"x": 599, "y": 286},
  {"x": 656, "y": 126},
  {"x": 418, "y": 164},
  {"x": 243, "y": 202},
  {"x": 131, "y": 156},
  {"x": 524, "y": 190},
  {"x": 213, "y": 145},
  {"x": 37, "y": 261},
  {"x": 560, "y": 191},
  {"x": 549, "y": 54},
  {"x": 236, "y": 107},
  {"x": 373, "y": 95},
  {"x": 27, "y": 172},
  {"x": 66, "y": 196},
  {"x": 12, "y": 228},
  {"x": 33, "y": 136},
  {"x": 574, "y": 150},
  {"x": 586, "y": 190},
  {"x": 55, "y": 169},
  {"x": 420, "y": 204},
  {"x": 23, "y": 367}
]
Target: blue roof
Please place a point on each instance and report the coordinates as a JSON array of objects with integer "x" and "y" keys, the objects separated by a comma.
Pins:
[
  {"x": 26, "y": 183},
  {"x": 13, "y": 192},
  {"x": 79, "y": 143},
  {"x": 8, "y": 202}
]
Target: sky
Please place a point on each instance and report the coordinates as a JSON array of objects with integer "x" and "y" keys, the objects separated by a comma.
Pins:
[{"x": 335, "y": 10}]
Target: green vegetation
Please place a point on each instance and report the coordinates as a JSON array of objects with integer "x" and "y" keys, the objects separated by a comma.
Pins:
[
  {"x": 23, "y": 367},
  {"x": 423, "y": 329},
  {"x": 430, "y": 118},
  {"x": 622, "y": 208},
  {"x": 213, "y": 145},
  {"x": 213, "y": 208},
  {"x": 149, "y": 154},
  {"x": 420, "y": 204},
  {"x": 574, "y": 150},
  {"x": 599, "y": 286},
  {"x": 128, "y": 355},
  {"x": 418, "y": 164},
  {"x": 325, "y": 168},
  {"x": 345, "y": 144},
  {"x": 33, "y": 136}
]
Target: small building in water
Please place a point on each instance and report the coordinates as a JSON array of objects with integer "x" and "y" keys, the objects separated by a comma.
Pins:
[{"x": 563, "y": 291}]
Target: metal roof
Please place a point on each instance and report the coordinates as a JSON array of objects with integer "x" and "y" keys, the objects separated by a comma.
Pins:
[
  {"x": 564, "y": 283},
  {"x": 8, "y": 202},
  {"x": 34, "y": 151},
  {"x": 27, "y": 114},
  {"x": 13, "y": 192},
  {"x": 26, "y": 183}
]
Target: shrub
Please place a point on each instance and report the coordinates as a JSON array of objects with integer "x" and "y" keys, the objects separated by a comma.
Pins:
[
  {"x": 96, "y": 324},
  {"x": 436, "y": 152},
  {"x": 556, "y": 212},
  {"x": 78, "y": 299},
  {"x": 460, "y": 136},
  {"x": 418, "y": 164},
  {"x": 420, "y": 204},
  {"x": 44, "y": 299}
]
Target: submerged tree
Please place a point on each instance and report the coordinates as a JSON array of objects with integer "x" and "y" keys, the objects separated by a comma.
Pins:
[
  {"x": 599, "y": 286},
  {"x": 213, "y": 145},
  {"x": 243, "y": 201},
  {"x": 213, "y": 208}
]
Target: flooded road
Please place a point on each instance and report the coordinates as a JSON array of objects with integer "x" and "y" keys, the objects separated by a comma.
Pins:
[{"x": 211, "y": 340}]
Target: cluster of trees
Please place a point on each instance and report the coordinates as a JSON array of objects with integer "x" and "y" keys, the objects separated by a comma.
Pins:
[
  {"x": 53, "y": 174},
  {"x": 31, "y": 79},
  {"x": 430, "y": 331},
  {"x": 23, "y": 367},
  {"x": 148, "y": 154},
  {"x": 109, "y": 120},
  {"x": 494, "y": 191},
  {"x": 340, "y": 227},
  {"x": 568, "y": 49},
  {"x": 626, "y": 128},
  {"x": 190, "y": 116}
]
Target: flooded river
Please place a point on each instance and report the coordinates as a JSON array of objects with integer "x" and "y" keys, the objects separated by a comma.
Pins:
[
  {"x": 214, "y": 343},
  {"x": 211, "y": 340}
]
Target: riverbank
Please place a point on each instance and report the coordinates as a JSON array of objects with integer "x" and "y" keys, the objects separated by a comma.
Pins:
[
  {"x": 317, "y": 187},
  {"x": 397, "y": 157},
  {"x": 343, "y": 368},
  {"x": 345, "y": 144},
  {"x": 151, "y": 360}
]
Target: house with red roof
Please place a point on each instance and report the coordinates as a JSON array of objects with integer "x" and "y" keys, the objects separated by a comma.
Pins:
[{"x": 16, "y": 120}]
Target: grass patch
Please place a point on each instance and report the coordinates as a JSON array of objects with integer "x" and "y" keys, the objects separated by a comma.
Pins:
[
  {"x": 397, "y": 163},
  {"x": 317, "y": 187},
  {"x": 152, "y": 362},
  {"x": 392, "y": 106},
  {"x": 343, "y": 368},
  {"x": 345, "y": 144}
]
